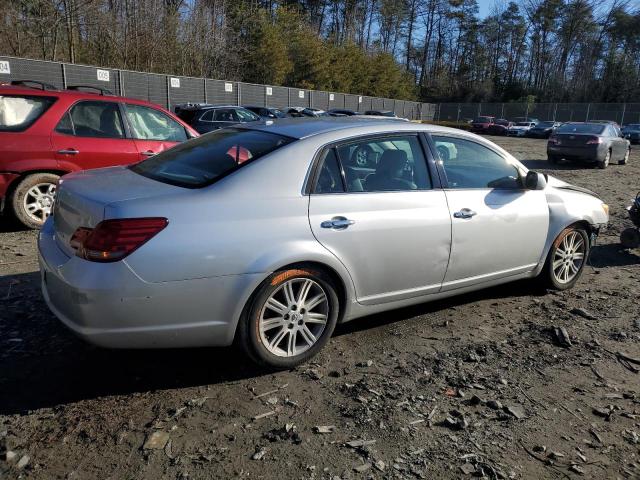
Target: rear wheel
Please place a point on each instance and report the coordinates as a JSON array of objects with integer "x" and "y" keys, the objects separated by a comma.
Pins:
[
  {"x": 602, "y": 164},
  {"x": 32, "y": 200},
  {"x": 290, "y": 319},
  {"x": 567, "y": 258},
  {"x": 625, "y": 159}
]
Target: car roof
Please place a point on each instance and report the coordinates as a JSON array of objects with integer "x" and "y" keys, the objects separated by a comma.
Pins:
[
  {"x": 307, "y": 127},
  {"x": 72, "y": 94}
]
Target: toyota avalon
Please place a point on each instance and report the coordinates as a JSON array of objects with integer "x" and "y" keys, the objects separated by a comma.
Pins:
[{"x": 200, "y": 245}]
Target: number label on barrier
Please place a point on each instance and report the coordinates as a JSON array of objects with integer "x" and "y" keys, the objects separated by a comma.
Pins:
[
  {"x": 331, "y": 97},
  {"x": 103, "y": 75},
  {"x": 228, "y": 87},
  {"x": 269, "y": 91},
  {"x": 5, "y": 67},
  {"x": 359, "y": 99},
  {"x": 174, "y": 82},
  {"x": 301, "y": 94}
]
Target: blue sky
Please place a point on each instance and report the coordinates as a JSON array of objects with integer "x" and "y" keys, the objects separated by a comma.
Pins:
[{"x": 485, "y": 7}]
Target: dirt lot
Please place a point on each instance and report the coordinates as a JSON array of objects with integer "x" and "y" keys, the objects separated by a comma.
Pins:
[{"x": 476, "y": 385}]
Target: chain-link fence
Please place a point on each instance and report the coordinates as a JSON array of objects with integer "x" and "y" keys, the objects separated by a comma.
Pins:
[
  {"x": 170, "y": 90},
  {"x": 621, "y": 113}
]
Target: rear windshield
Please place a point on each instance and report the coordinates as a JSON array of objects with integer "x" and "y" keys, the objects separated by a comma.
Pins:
[
  {"x": 545, "y": 124},
  {"x": 19, "y": 112},
  {"x": 482, "y": 120},
  {"x": 202, "y": 161},
  {"x": 591, "y": 128}
]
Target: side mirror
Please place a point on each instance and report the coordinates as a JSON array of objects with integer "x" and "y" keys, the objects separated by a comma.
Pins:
[{"x": 535, "y": 181}]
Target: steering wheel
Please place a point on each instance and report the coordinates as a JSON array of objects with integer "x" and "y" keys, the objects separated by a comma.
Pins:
[{"x": 363, "y": 155}]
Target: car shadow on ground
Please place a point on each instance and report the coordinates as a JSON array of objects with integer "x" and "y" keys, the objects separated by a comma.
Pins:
[
  {"x": 9, "y": 224},
  {"x": 613, "y": 255},
  {"x": 43, "y": 365}
]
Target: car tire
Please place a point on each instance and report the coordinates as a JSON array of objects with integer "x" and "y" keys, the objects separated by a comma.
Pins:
[
  {"x": 553, "y": 273},
  {"x": 32, "y": 199},
  {"x": 625, "y": 159},
  {"x": 602, "y": 164},
  {"x": 553, "y": 159},
  {"x": 276, "y": 318}
]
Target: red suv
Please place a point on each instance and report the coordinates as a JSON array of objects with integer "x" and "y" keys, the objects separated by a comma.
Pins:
[{"x": 45, "y": 133}]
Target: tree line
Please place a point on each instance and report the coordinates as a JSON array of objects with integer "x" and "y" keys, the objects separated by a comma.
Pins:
[{"x": 431, "y": 50}]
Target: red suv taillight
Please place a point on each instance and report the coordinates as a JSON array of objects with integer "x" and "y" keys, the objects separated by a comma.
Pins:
[{"x": 112, "y": 240}]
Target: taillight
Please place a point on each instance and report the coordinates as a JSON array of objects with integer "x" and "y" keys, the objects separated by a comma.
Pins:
[
  {"x": 554, "y": 140},
  {"x": 594, "y": 141},
  {"x": 112, "y": 240}
]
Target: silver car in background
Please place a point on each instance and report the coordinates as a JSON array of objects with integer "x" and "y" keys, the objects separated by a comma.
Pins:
[{"x": 272, "y": 233}]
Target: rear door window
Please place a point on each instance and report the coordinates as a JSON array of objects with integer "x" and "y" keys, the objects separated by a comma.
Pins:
[
  {"x": 202, "y": 161},
  {"x": 225, "y": 115},
  {"x": 150, "y": 124},
  {"x": 93, "y": 119},
  {"x": 384, "y": 164},
  {"x": 19, "y": 112},
  {"x": 329, "y": 177},
  {"x": 207, "y": 116}
]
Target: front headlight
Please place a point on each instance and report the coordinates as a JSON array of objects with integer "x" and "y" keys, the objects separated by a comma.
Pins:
[{"x": 605, "y": 209}]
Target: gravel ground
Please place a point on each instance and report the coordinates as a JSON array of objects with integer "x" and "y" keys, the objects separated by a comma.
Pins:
[{"x": 471, "y": 386}]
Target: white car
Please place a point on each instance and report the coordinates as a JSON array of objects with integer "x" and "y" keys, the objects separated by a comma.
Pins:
[{"x": 520, "y": 129}]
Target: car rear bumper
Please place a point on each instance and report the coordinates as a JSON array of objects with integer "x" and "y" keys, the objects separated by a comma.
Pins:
[
  {"x": 589, "y": 153},
  {"x": 108, "y": 305}
]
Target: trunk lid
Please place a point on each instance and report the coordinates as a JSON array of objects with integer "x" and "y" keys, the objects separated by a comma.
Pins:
[
  {"x": 574, "y": 139},
  {"x": 81, "y": 198}
]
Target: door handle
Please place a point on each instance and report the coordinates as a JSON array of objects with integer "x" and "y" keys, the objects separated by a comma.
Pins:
[
  {"x": 337, "y": 223},
  {"x": 68, "y": 151},
  {"x": 148, "y": 153},
  {"x": 464, "y": 213}
]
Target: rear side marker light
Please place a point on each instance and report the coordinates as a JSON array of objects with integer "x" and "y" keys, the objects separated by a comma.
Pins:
[{"x": 113, "y": 240}]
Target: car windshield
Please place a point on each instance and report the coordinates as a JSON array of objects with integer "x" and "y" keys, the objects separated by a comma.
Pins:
[
  {"x": 204, "y": 160},
  {"x": 482, "y": 120},
  {"x": 523, "y": 124},
  {"x": 590, "y": 128},
  {"x": 545, "y": 124},
  {"x": 17, "y": 113}
]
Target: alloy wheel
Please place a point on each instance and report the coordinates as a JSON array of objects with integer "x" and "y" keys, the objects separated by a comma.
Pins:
[
  {"x": 569, "y": 257},
  {"x": 294, "y": 317},
  {"x": 38, "y": 201}
]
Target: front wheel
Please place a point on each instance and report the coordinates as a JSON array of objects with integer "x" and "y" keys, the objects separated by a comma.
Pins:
[
  {"x": 32, "y": 200},
  {"x": 290, "y": 319},
  {"x": 567, "y": 258}
]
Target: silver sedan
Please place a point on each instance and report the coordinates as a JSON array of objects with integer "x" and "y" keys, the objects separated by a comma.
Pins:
[{"x": 271, "y": 234}]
